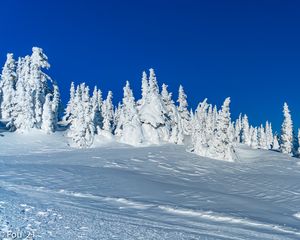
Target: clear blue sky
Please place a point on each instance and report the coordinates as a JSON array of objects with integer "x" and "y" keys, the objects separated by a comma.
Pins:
[{"x": 249, "y": 50}]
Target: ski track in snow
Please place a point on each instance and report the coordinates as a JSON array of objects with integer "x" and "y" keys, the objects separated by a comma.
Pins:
[{"x": 158, "y": 192}]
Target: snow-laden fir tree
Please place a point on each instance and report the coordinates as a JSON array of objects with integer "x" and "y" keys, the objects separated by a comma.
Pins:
[
  {"x": 145, "y": 90},
  {"x": 7, "y": 86},
  {"x": 254, "y": 137},
  {"x": 287, "y": 137},
  {"x": 269, "y": 135},
  {"x": 48, "y": 115},
  {"x": 245, "y": 132},
  {"x": 96, "y": 108},
  {"x": 238, "y": 129},
  {"x": 130, "y": 127},
  {"x": 153, "y": 114},
  {"x": 184, "y": 115},
  {"x": 262, "y": 138},
  {"x": 222, "y": 147},
  {"x": 70, "y": 105},
  {"x": 56, "y": 105},
  {"x": 176, "y": 131},
  {"x": 108, "y": 113},
  {"x": 276, "y": 145},
  {"x": 38, "y": 82},
  {"x": 82, "y": 127},
  {"x": 199, "y": 141},
  {"x": 24, "y": 116}
]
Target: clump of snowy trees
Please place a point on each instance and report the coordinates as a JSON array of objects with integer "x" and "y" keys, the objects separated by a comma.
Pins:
[{"x": 30, "y": 99}]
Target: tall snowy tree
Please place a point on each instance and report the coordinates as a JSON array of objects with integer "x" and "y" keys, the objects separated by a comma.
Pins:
[
  {"x": 129, "y": 122},
  {"x": 287, "y": 137},
  {"x": 276, "y": 145},
  {"x": 184, "y": 114},
  {"x": 222, "y": 147},
  {"x": 254, "y": 137},
  {"x": 173, "y": 123},
  {"x": 269, "y": 135},
  {"x": 70, "y": 105},
  {"x": 38, "y": 81},
  {"x": 82, "y": 128},
  {"x": 245, "y": 131},
  {"x": 262, "y": 138},
  {"x": 7, "y": 86},
  {"x": 153, "y": 114},
  {"x": 108, "y": 113},
  {"x": 48, "y": 122}
]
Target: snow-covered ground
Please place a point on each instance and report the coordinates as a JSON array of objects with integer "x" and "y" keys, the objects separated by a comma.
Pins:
[{"x": 114, "y": 191}]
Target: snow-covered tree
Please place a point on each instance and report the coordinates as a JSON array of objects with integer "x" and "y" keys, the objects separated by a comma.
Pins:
[
  {"x": 199, "y": 142},
  {"x": 48, "y": 122},
  {"x": 24, "y": 104},
  {"x": 245, "y": 132},
  {"x": 108, "y": 113},
  {"x": 153, "y": 114},
  {"x": 184, "y": 115},
  {"x": 222, "y": 147},
  {"x": 276, "y": 145},
  {"x": 238, "y": 129},
  {"x": 287, "y": 137},
  {"x": 129, "y": 123},
  {"x": 145, "y": 90},
  {"x": 96, "y": 108},
  {"x": 254, "y": 137},
  {"x": 38, "y": 82},
  {"x": 269, "y": 135},
  {"x": 82, "y": 128},
  {"x": 173, "y": 123},
  {"x": 262, "y": 138},
  {"x": 71, "y": 104},
  {"x": 7, "y": 86}
]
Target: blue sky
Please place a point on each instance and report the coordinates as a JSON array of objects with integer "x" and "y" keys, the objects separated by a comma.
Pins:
[{"x": 249, "y": 50}]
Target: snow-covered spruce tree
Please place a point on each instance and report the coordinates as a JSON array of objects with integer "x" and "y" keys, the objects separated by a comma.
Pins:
[
  {"x": 96, "y": 108},
  {"x": 38, "y": 82},
  {"x": 56, "y": 105},
  {"x": 287, "y": 137},
  {"x": 245, "y": 131},
  {"x": 153, "y": 114},
  {"x": 184, "y": 115},
  {"x": 199, "y": 141},
  {"x": 108, "y": 113},
  {"x": 145, "y": 90},
  {"x": 269, "y": 135},
  {"x": 82, "y": 127},
  {"x": 23, "y": 113},
  {"x": 222, "y": 147},
  {"x": 129, "y": 125},
  {"x": 48, "y": 115},
  {"x": 70, "y": 105},
  {"x": 176, "y": 131},
  {"x": 32, "y": 86},
  {"x": 8, "y": 85},
  {"x": 262, "y": 138},
  {"x": 254, "y": 137},
  {"x": 238, "y": 129},
  {"x": 276, "y": 145},
  {"x": 117, "y": 122}
]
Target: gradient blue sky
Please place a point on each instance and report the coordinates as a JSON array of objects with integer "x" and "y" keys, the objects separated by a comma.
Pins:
[{"x": 249, "y": 50}]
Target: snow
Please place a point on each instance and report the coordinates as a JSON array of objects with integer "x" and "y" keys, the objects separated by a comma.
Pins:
[{"x": 115, "y": 191}]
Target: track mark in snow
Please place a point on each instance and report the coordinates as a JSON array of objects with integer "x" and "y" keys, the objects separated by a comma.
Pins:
[{"x": 212, "y": 216}]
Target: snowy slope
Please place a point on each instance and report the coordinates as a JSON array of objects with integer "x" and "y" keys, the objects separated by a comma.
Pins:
[{"x": 162, "y": 192}]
